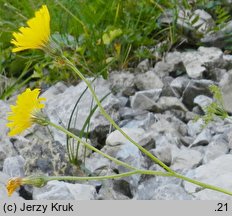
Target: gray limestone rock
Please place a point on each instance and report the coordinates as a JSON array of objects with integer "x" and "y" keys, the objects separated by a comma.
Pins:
[
  {"x": 144, "y": 65},
  {"x": 179, "y": 84},
  {"x": 56, "y": 89},
  {"x": 171, "y": 192},
  {"x": 110, "y": 192},
  {"x": 14, "y": 166},
  {"x": 226, "y": 88},
  {"x": 57, "y": 190},
  {"x": 195, "y": 88},
  {"x": 122, "y": 82},
  {"x": 202, "y": 101},
  {"x": 169, "y": 103},
  {"x": 119, "y": 147},
  {"x": 60, "y": 106},
  {"x": 47, "y": 157},
  {"x": 217, "y": 172},
  {"x": 141, "y": 121},
  {"x": 215, "y": 149},
  {"x": 186, "y": 158},
  {"x": 222, "y": 181},
  {"x": 145, "y": 100},
  {"x": 195, "y": 127},
  {"x": 148, "y": 80},
  {"x": 171, "y": 63},
  {"x": 218, "y": 38},
  {"x": 202, "y": 138},
  {"x": 5, "y": 108},
  {"x": 163, "y": 153}
]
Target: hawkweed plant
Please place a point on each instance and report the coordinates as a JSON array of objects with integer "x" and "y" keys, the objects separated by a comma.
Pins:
[{"x": 39, "y": 29}]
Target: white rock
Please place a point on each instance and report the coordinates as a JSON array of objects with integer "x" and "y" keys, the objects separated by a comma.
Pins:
[
  {"x": 148, "y": 80},
  {"x": 221, "y": 181},
  {"x": 217, "y": 172},
  {"x": 194, "y": 61},
  {"x": 59, "y": 106},
  {"x": 195, "y": 127},
  {"x": 14, "y": 166},
  {"x": 202, "y": 138},
  {"x": 167, "y": 103},
  {"x": 119, "y": 147},
  {"x": 202, "y": 101},
  {"x": 179, "y": 84},
  {"x": 116, "y": 138},
  {"x": 226, "y": 89},
  {"x": 57, "y": 190},
  {"x": 145, "y": 100},
  {"x": 144, "y": 65},
  {"x": 215, "y": 149},
  {"x": 57, "y": 89},
  {"x": 186, "y": 159}
]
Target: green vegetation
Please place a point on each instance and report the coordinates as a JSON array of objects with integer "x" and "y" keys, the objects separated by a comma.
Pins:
[
  {"x": 216, "y": 108},
  {"x": 97, "y": 35}
]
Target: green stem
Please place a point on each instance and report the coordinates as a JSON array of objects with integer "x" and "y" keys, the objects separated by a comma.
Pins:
[
  {"x": 176, "y": 175},
  {"x": 92, "y": 178},
  {"x": 204, "y": 185},
  {"x": 90, "y": 146},
  {"x": 45, "y": 179},
  {"x": 70, "y": 64}
]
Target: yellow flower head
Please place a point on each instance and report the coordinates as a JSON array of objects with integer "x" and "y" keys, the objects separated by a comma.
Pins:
[
  {"x": 24, "y": 113},
  {"x": 13, "y": 184},
  {"x": 36, "y": 35}
]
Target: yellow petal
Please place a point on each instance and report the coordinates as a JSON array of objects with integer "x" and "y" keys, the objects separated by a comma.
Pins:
[{"x": 36, "y": 35}]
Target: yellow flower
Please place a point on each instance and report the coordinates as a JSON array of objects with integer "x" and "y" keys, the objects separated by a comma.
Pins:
[
  {"x": 14, "y": 183},
  {"x": 25, "y": 112},
  {"x": 36, "y": 35}
]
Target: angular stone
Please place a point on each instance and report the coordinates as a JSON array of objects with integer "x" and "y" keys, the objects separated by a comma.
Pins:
[
  {"x": 56, "y": 89},
  {"x": 217, "y": 172},
  {"x": 5, "y": 108},
  {"x": 169, "y": 103},
  {"x": 59, "y": 107},
  {"x": 195, "y": 88},
  {"x": 171, "y": 192},
  {"x": 57, "y": 190},
  {"x": 163, "y": 153},
  {"x": 203, "y": 138},
  {"x": 202, "y": 101},
  {"x": 141, "y": 121},
  {"x": 144, "y": 65},
  {"x": 145, "y": 100},
  {"x": 119, "y": 147},
  {"x": 122, "y": 82},
  {"x": 215, "y": 149},
  {"x": 222, "y": 181},
  {"x": 186, "y": 159},
  {"x": 172, "y": 62},
  {"x": 194, "y": 61},
  {"x": 14, "y": 166},
  {"x": 226, "y": 89},
  {"x": 148, "y": 80},
  {"x": 179, "y": 84}
]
